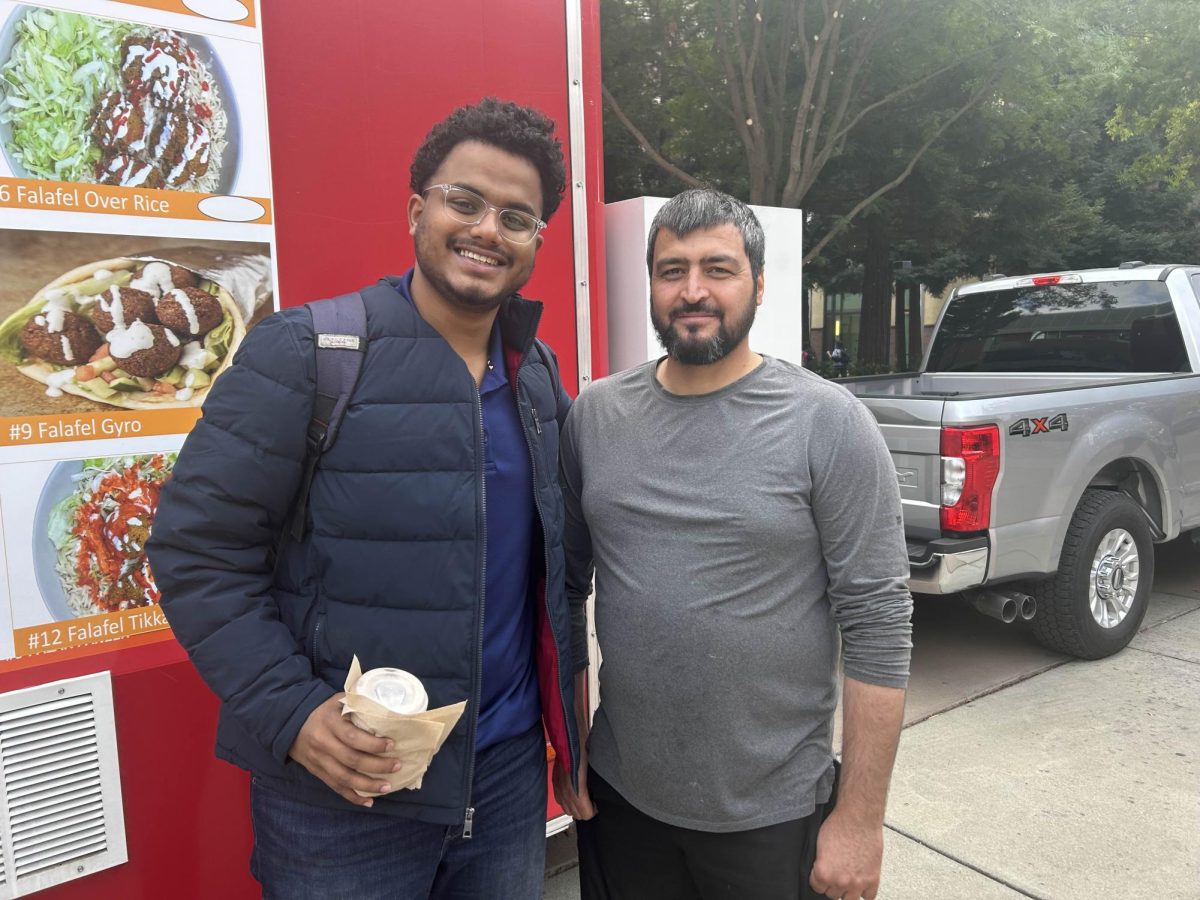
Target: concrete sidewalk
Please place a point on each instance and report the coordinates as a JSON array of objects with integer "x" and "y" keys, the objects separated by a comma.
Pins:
[{"x": 1076, "y": 780}]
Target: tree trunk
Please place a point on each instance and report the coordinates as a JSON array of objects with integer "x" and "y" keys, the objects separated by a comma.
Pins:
[
  {"x": 916, "y": 327},
  {"x": 899, "y": 344},
  {"x": 877, "y": 295}
]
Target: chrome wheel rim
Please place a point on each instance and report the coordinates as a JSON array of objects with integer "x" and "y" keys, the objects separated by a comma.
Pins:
[{"x": 1114, "y": 578}]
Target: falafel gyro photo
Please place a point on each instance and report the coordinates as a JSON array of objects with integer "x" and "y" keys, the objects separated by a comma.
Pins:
[{"x": 149, "y": 330}]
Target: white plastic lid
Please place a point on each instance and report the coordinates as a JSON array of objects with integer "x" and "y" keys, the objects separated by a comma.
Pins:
[{"x": 394, "y": 689}]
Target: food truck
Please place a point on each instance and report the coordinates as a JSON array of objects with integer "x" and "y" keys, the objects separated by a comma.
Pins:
[{"x": 229, "y": 157}]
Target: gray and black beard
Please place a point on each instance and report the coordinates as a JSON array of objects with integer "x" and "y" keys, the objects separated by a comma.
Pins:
[{"x": 692, "y": 352}]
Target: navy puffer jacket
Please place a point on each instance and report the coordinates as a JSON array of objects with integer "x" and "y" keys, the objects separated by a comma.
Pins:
[{"x": 391, "y": 566}]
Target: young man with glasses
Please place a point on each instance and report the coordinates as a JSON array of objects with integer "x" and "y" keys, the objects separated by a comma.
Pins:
[{"x": 432, "y": 543}]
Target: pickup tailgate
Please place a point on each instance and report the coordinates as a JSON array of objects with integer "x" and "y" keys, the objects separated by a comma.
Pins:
[{"x": 911, "y": 426}]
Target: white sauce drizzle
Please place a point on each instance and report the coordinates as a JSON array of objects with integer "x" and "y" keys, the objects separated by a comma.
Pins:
[
  {"x": 56, "y": 380},
  {"x": 155, "y": 280},
  {"x": 114, "y": 306},
  {"x": 193, "y": 355},
  {"x": 55, "y": 312},
  {"x": 189, "y": 309},
  {"x": 164, "y": 74},
  {"x": 124, "y": 342}
]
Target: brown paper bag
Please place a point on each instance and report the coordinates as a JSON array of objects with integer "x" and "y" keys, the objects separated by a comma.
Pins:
[{"x": 416, "y": 736}]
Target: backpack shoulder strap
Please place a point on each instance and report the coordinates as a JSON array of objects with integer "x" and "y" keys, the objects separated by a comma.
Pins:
[
  {"x": 548, "y": 361},
  {"x": 340, "y": 339},
  {"x": 340, "y": 344}
]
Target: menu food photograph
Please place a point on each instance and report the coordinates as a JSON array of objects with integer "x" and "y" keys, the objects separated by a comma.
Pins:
[
  {"x": 136, "y": 253},
  {"x": 93, "y": 321}
]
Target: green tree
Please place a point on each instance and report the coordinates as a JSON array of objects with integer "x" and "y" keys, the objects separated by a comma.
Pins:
[
  {"x": 965, "y": 136},
  {"x": 759, "y": 97},
  {"x": 1039, "y": 180},
  {"x": 1158, "y": 88}
]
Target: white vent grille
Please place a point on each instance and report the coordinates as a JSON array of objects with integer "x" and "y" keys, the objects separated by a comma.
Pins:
[{"x": 60, "y": 789}]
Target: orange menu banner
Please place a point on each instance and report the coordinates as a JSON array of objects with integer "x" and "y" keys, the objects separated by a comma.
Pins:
[
  {"x": 32, "y": 661},
  {"x": 88, "y": 630},
  {"x": 63, "y": 196},
  {"x": 240, "y": 12},
  {"x": 90, "y": 426}
]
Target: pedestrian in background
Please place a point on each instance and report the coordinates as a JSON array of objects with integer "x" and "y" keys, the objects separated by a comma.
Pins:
[{"x": 841, "y": 360}]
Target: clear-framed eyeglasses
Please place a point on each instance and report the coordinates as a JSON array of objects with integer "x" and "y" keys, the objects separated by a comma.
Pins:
[{"x": 469, "y": 208}]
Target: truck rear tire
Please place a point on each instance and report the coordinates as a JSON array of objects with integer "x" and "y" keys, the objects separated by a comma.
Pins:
[{"x": 1093, "y": 605}]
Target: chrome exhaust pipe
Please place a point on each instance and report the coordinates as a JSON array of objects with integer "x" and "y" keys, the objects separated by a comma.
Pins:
[
  {"x": 994, "y": 604},
  {"x": 1007, "y": 606},
  {"x": 1026, "y": 606}
]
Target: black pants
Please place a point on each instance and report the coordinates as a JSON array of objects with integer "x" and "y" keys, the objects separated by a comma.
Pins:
[{"x": 626, "y": 855}]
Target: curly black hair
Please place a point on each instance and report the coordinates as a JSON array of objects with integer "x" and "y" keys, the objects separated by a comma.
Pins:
[{"x": 520, "y": 130}]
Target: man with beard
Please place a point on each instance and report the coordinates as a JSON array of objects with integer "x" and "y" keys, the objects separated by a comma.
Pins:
[
  {"x": 431, "y": 543},
  {"x": 741, "y": 514}
]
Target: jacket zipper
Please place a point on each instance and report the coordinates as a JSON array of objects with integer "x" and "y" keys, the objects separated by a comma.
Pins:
[
  {"x": 562, "y": 699},
  {"x": 316, "y": 633},
  {"x": 469, "y": 817}
]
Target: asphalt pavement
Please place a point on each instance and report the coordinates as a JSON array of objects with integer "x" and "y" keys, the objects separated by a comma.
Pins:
[{"x": 1024, "y": 773}]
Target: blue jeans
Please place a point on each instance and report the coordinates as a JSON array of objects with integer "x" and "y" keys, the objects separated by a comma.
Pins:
[{"x": 304, "y": 852}]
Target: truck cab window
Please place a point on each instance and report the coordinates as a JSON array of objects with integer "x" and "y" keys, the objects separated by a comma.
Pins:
[{"x": 1125, "y": 326}]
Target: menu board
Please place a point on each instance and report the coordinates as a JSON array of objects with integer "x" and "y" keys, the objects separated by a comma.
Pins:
[{"x": 136, "y": 251}]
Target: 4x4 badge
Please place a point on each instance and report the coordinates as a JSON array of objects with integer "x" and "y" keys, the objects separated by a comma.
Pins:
[{"x": 1031, "y": 426}]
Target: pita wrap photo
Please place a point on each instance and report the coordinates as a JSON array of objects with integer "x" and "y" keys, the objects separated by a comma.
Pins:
[{"x": 148, "y": 330}]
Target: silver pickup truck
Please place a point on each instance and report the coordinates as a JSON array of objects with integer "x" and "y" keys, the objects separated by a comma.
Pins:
[{"x": 1050, "y": 438}]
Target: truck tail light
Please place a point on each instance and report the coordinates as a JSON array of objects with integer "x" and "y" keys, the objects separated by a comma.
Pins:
[{"x": 970, "y": 466}]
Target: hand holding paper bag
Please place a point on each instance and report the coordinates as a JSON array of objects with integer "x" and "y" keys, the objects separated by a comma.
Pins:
[{"x": 390, "y": 703}]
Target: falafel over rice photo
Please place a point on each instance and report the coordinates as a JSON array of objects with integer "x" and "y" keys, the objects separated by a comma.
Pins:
[
  {"x": 94, "y": 100},
  {"x": 133, "y": 332}
]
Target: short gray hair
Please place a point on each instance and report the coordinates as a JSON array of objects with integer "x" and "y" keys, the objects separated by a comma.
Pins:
[{"x": 707, "y": 208}]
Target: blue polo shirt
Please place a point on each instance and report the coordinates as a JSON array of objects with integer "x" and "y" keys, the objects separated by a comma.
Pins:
[{"x": 509, "y": 703}]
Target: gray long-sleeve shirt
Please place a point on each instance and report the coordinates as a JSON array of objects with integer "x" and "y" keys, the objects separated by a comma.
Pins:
[{"x": 733, "y": 535}]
